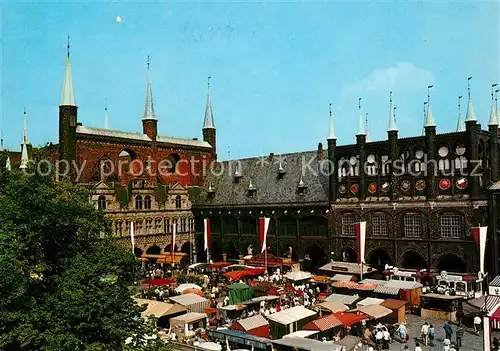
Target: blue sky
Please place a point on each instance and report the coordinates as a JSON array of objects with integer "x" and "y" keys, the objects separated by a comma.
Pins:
[{"x": 275, "y": 67}]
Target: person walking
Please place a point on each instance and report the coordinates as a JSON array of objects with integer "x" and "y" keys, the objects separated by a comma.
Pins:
[
  {"x": 425, "y": 333},
  {"x": 432, "y": 335},
  {"x": 387, "y": 338},
  {"x": 379, "y": 336},
  {"x": 448, "y": 330},
  {"x": 477, "y": 324},
  {"x": 403, "y": 333}
]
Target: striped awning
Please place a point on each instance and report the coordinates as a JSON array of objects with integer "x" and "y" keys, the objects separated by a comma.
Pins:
[
  {"x": 347, "y": 284},
  {"x": 490, "y": 302},
  {"x": 387, "y": 290},
  {"x": 323, "y": 323}
]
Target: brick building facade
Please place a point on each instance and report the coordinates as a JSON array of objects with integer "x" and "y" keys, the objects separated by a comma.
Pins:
[{"x": 420, "y": 196}]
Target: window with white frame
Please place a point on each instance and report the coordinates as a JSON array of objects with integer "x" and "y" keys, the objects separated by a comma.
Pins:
[
  {"x": 379, "y": 224},
  {"x": 451, "y": 226},
  {"x": 412, "y": 225},
  {"x": 348, "y": 220}
]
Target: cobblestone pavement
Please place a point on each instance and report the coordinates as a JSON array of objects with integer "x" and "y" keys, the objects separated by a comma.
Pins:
[{"x": 470, "y": 342}]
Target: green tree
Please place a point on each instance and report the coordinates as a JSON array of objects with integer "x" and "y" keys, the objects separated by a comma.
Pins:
[{"x": 62, "y": 286}]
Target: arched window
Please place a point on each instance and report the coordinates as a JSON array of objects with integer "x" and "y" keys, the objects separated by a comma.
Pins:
[
  {"x": 147, "y": 202},
  {"x": 101, "y": 202},
  {"x": 451, "y": 226},
  {"x": 138, "y": 227},
  {"x": 138, "y": 202},
  {"x": 183, "y": 225},
  {"x": 149, "y": 225},
  {"x": 125, "y": 157},
  {"x": 178, "y": 201},
  {"x": 348, "y": 220},
  {"x": 158, "y": 226},
  {"x": 118, "y": 228}
]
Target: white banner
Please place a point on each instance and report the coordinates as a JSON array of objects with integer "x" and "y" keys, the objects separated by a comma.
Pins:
[{"x": 132, "y": 236}]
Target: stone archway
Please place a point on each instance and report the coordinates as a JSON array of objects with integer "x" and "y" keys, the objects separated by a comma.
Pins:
[
  {"x": 153, "y": 250},
  {"x": 451, "y": 263},
  {"x": 315, "y": 257},
  {"x": 379, "y": 258},
  {"x": 347, "y": 254},
  {"x": 413, "y": 260},
  {"x": 138, "y": 252}
]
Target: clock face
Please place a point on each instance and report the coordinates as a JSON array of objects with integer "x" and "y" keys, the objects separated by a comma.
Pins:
[
  {"x": 444, "y": 184},
  {"x": 443, "y": 151},
  {"x": 372, "y": 188},
  {"x": 385, "y": 187},
  {"x": 371, "y": 159},
  {"x": 462, "y": 183},
  {"x": 353, "y": 160},
  {"x": 460, "y": 150},
  {"x": 420, "y": 185},
  {"x": 354, "y": 188},
  {"x": 419, "y": 154}
]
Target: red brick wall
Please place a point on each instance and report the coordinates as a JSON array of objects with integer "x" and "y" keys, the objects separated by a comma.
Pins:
[{"x": 90, "y": 152}]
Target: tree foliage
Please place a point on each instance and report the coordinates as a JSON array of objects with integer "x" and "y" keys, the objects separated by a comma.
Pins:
[{"x": 62, "y": 287}]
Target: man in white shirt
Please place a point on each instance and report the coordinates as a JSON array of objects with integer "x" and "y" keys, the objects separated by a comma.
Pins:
[
  {"x": 379, "y": 336},
  {"x": 425, "y": 333},
  {"x": 477, "y": 324}
]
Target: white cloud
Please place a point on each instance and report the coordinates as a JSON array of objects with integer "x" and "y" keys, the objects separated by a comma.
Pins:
[{"x": 409, "y": 86}]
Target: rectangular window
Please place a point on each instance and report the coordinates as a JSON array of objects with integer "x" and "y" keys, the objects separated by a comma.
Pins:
[
  {"x": 379, "y": 224},
  {"x": 348, "y": 221},
  {"x": 412, "y": 225},
  {"x": 451, "y": 226}
]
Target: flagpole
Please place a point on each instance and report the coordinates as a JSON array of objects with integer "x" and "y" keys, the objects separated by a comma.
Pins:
[{"x": 265, "y": 259}]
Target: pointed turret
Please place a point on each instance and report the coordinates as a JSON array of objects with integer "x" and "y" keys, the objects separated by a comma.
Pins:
[
  {"x": 368, "y": 140},
  {"x": 106, "y": 121},
  {"x": 208, "y": 130},
  {"x": 392, "y": 119},
  {"x": 493, "y": 111},
  {"x": 208, "y": 122},
  {"x": 68, "y": 119},
  {"x": 331, "y": 130},
  {"x": 24, "y": 151},
  {"x": 68, "y": 92},
  {"x": 460, "y": 119},
  {"x": 149, "y": 121},
  {"x": 361, "y": 125},
  {"x": 429, "y": 117},
  {"x": 149, "y": 110},
  {"x": 471, "y": 116},
  {"x": 332, "y": 169}
]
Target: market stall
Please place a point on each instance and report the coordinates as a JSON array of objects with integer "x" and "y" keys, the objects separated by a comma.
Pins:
[
  {"x": 192, "y": 302},
  {"x": 185, "y": 325},
  {"x": 348, "y": 300},
  {"x": 239, "y": 293},
  {"x": 256, "y": 325},
  {"x": 443, "y": 307},
  {"x": 163, "y": 311},
  {"x": 289, "y": 320},
  {"x": 240, "y": 339},
  {"x": 408, "y": 290},
  {"x": 377, "y": 312},
  {"x": 339, "y": 276},
  {"x": 398, "y": 308},
  {"x": 326, "y": 326},
  {"x": 369, "y": 301},
  {"x": 302, "y": 344},
  {"x": 311, "y": 334},
  {"x": 328, "y": 307}
]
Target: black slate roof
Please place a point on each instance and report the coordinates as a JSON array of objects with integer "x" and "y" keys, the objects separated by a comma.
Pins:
[{"x": 262, "y": 172}]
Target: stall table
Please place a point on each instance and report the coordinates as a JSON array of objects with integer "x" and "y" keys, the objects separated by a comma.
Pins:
[{"x": 443, "y": 307}]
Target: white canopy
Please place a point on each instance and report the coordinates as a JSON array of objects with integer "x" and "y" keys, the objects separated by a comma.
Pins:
[
  {"x": 210, "y": 346},
  {"x": 298, "y": 275},
  {"x": 180, "y": 289},
  {"x": 291, "y": 315}
]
